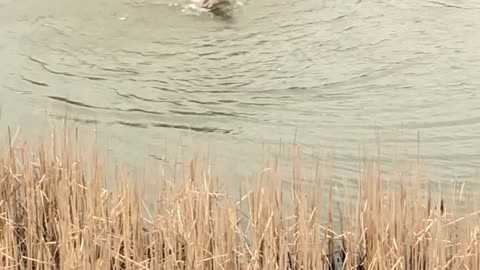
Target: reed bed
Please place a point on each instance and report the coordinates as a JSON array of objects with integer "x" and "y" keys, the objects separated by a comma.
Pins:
[{"x": 56, "y": 212}]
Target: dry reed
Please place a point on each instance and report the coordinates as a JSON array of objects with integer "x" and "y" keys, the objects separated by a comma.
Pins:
[{"x": 56, "y": 213}]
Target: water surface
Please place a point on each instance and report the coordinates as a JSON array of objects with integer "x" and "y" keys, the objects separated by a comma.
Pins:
[{"x": 329, "y": 73}]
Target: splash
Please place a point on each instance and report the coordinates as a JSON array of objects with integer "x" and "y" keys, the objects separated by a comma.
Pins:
[{"x": 224, "y": 8}]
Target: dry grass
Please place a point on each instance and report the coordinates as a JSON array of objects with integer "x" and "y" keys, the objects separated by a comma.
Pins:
[{"x": 56, "y": 213}]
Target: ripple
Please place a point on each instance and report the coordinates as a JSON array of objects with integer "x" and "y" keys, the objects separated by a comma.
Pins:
[
  {"x": 64, "y": 73},
  {"x": 208, "y": 113},
  {"x": 193, "y": 128},
  {"x": 84, "y": 105},
  {"x": 37, "y": 83}
]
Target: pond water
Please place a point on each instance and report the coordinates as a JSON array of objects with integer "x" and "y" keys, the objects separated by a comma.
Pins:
[{"x": 327, "y": 74}]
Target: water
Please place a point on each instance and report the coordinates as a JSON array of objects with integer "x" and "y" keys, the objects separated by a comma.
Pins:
[{"x": 147, "y": 74}]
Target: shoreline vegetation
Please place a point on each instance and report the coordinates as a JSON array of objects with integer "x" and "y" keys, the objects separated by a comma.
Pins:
[{"x": 57, "y": 212}]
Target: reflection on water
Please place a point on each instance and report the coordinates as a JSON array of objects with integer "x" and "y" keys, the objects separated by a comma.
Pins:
[{"x": 331, "y": 72}]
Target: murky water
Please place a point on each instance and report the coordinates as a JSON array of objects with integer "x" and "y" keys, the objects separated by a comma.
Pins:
[{"x": 149, "y": 73}]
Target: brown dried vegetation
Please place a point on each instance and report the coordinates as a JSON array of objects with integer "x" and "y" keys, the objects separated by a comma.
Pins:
[{"x": 56, "y": 213}]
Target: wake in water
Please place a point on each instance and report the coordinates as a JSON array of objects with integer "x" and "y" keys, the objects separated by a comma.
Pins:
[{"x": 222, "y": 8}]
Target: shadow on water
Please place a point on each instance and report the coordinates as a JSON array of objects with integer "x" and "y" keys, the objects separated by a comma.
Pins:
[
  {"x": 224, "y": 11},
  {"x": 222, "y": 15}
]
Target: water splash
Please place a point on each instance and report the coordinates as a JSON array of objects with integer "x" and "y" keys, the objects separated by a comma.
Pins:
[{"x": 224, "y": 8}]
